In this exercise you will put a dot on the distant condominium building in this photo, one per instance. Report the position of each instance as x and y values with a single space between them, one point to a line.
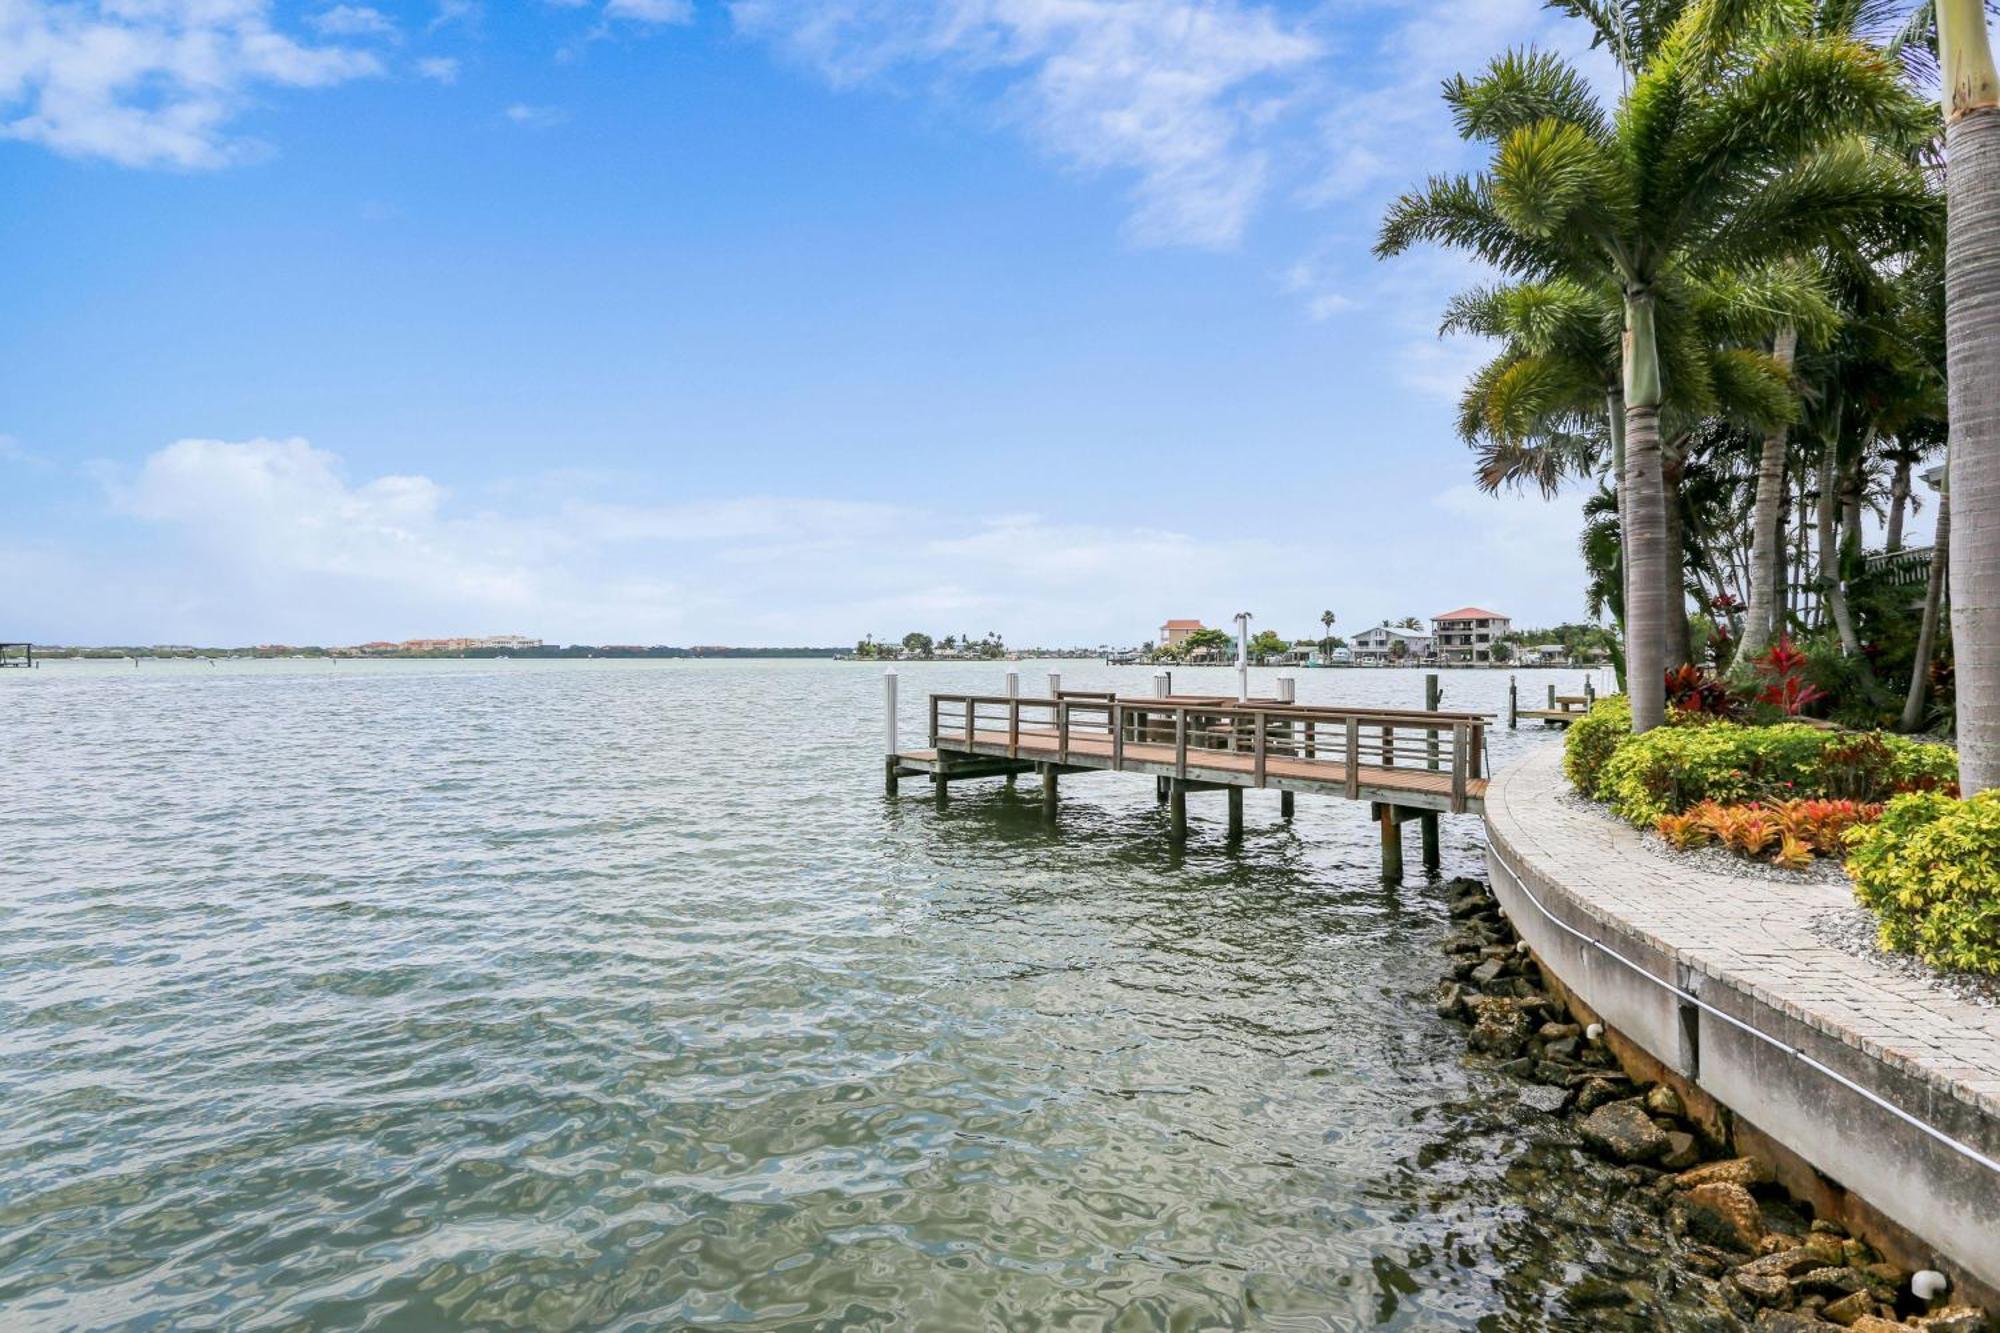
1468 634
1174 631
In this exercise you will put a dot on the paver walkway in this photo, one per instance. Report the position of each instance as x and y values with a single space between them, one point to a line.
1747 932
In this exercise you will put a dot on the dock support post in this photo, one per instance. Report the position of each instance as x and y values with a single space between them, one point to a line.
1049 792
1552 696
1513 703
1163 684
939 790
1288 689
1285 804
1589 692
1429 824
889 727
1177 811
1236 813
1160 786
1055 684
1392 845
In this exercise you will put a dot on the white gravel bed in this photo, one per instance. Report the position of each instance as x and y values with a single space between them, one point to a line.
1852 930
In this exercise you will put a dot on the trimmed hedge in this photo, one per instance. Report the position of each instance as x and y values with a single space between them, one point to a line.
1591 739
1930 870
1697 758
1671 768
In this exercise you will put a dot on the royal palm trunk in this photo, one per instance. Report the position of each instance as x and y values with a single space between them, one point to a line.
1972 341
1767 556
1927 633
1645 519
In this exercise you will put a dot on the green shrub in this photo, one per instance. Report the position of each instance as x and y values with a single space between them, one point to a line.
1591 740
1930 870
1671 768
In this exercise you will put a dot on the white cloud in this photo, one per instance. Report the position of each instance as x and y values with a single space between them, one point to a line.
149 82
352 21
270 540
651 11
438 69
536 117
1176 93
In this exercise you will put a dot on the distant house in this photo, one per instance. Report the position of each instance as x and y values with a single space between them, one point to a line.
1550 654
1468 634
1174 631
1377 645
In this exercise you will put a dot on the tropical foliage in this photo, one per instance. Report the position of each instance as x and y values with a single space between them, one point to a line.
1930 869
1722 309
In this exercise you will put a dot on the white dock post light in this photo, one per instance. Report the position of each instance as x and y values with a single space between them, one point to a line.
1055 684
1243 657
1288 688
1013 683
1163 684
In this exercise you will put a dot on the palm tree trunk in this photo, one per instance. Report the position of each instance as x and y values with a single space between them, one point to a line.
1767 557
1614 412
1920 670
1645 519
1972 342
1829 556
1899 503
1677 642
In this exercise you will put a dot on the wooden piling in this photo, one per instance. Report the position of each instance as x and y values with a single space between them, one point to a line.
890 717
1235 812
1392 846
1429 824
1285 805
940 791
1048 792
1513 703
1160 786
889 769
1177 811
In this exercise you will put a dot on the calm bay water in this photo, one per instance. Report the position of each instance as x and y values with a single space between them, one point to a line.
615 995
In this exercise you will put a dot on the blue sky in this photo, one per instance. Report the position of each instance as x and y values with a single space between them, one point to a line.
766 322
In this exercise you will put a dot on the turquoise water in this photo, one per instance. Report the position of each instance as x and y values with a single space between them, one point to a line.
616 995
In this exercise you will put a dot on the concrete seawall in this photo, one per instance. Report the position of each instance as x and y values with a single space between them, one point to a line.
1718 978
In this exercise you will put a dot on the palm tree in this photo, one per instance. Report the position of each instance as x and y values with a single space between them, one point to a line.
1736 141
1326 644
1972 338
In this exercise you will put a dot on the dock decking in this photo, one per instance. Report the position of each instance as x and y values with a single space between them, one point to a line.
1409 764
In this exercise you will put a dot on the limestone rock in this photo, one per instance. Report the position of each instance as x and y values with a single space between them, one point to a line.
1547 1100
1786 1263
1681 1151
1827 1247
1829 1282
1763 1288
1722 1214
1954 1319
1663 1100
1849 1308
1734 1171
1594 1090
1784 1321
1869 1323
1622 1131
1500 1030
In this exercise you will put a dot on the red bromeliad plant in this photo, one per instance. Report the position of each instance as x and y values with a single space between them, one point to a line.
1781 672
1690 689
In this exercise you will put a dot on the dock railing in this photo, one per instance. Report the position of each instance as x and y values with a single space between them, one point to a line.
1350 748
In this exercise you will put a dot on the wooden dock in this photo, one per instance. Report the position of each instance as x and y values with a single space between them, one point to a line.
1563 709
1408 764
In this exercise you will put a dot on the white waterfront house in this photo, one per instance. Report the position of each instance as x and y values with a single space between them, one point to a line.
1376 645
1468 634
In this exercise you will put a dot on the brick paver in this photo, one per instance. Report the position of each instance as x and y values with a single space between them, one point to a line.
1748 932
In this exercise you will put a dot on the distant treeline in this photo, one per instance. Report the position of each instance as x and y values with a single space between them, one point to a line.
544 650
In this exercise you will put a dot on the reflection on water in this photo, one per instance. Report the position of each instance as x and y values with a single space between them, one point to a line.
596 995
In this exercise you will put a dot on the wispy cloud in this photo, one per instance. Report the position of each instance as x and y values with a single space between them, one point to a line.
1176 94
438 69
651 11
535 117
352 21
150 82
